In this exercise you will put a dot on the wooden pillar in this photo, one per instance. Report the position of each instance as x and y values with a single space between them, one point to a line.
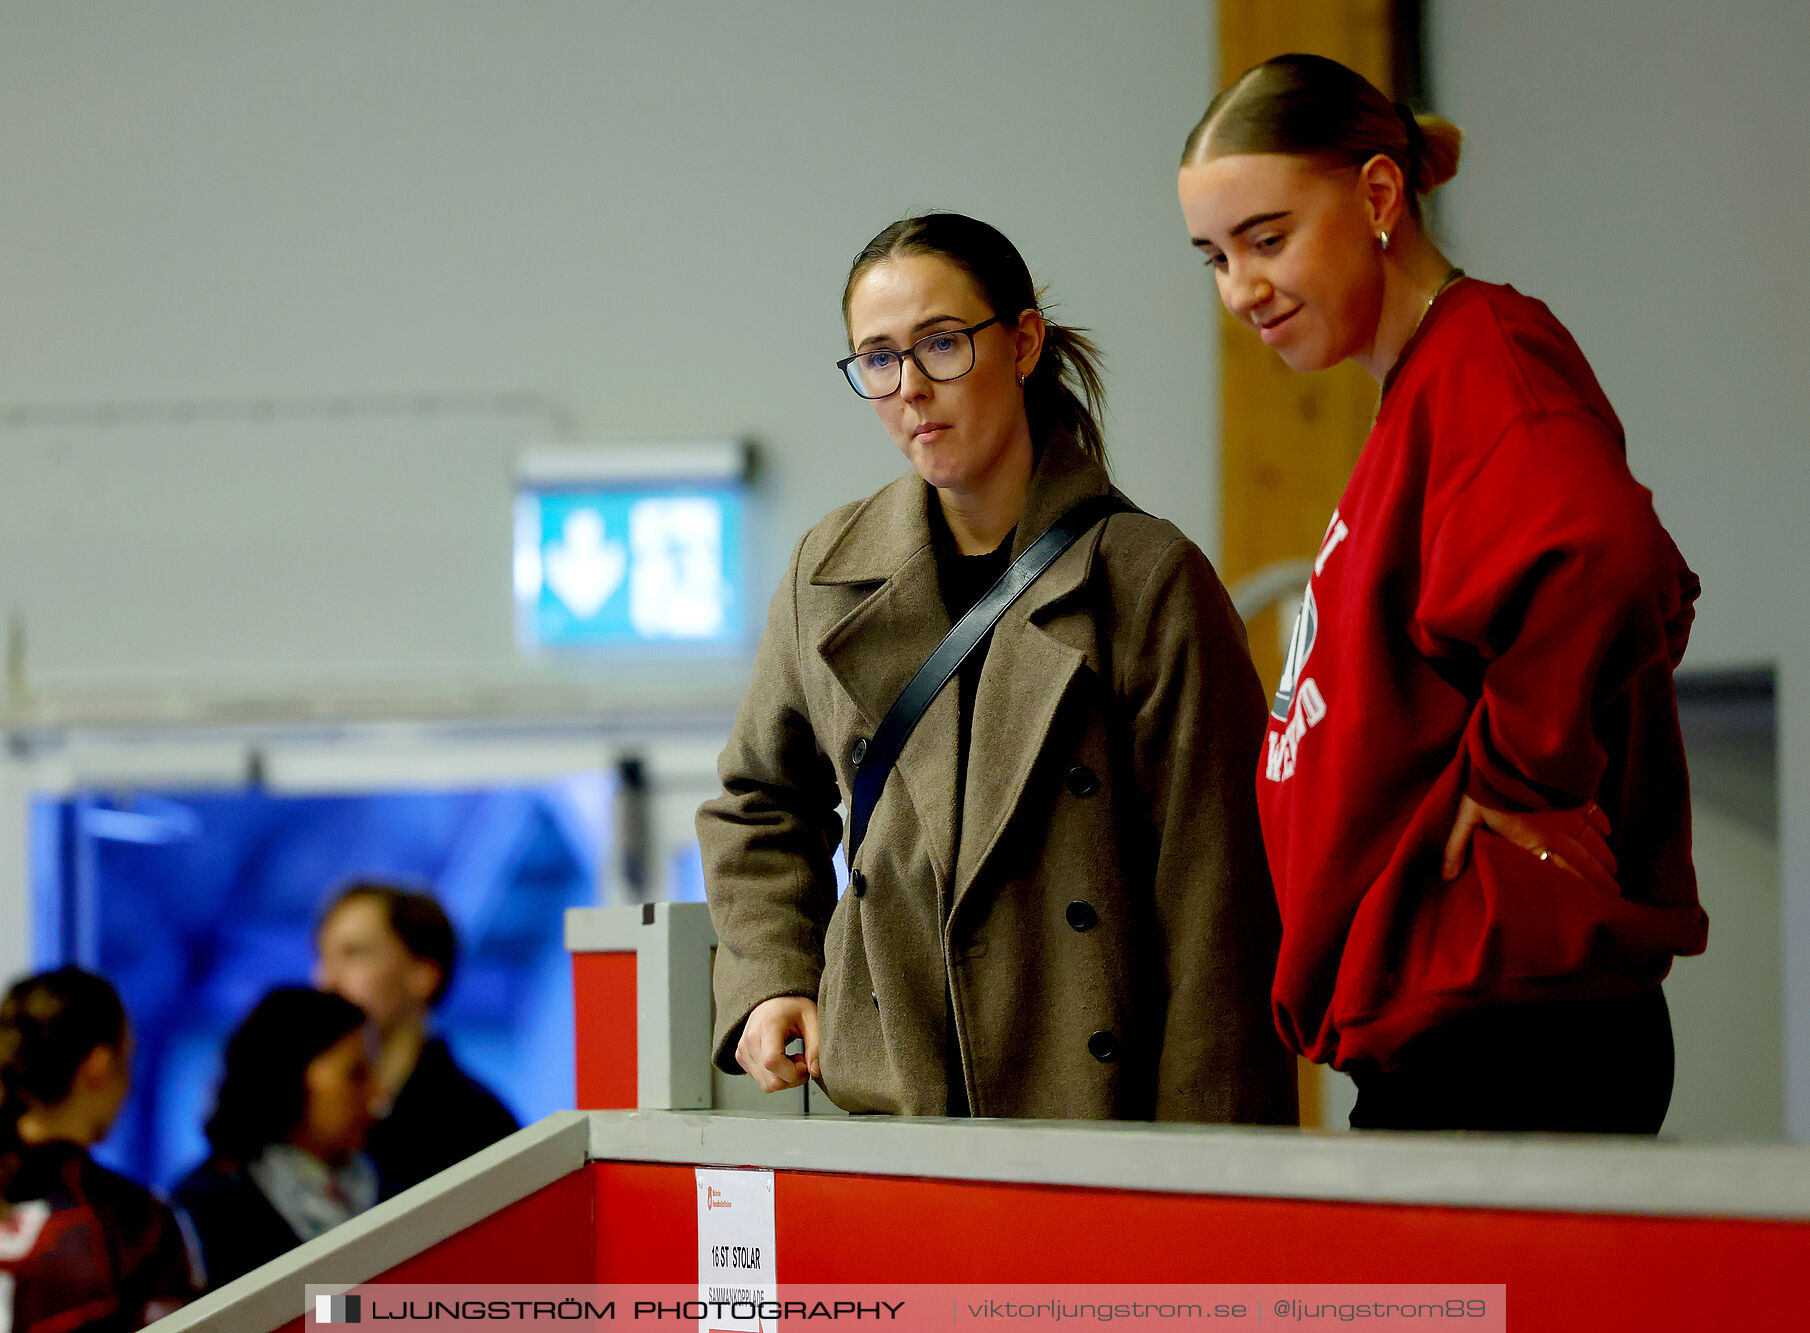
1288 440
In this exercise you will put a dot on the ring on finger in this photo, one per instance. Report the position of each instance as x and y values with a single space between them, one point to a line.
1545 853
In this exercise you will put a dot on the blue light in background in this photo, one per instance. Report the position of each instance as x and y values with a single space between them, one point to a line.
654 569
195 903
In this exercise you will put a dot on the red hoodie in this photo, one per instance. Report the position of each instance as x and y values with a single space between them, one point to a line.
1495 610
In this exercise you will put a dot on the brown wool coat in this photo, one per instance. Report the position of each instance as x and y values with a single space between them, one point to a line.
1110 932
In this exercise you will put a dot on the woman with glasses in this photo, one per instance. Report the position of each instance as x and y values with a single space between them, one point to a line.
1059 906
1473 787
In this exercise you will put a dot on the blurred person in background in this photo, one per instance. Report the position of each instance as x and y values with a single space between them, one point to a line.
391 952
80 1246
286 1136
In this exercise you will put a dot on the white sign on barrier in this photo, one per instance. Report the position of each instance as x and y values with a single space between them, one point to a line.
736 1259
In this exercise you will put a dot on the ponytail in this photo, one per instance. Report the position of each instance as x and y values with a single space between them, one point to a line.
1065 393
12 1108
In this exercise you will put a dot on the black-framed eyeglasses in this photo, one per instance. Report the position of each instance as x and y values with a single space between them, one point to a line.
945 355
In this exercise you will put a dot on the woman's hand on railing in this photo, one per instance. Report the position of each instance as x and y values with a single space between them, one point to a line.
770 1028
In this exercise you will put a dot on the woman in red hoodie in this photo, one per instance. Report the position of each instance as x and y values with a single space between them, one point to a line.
1473 791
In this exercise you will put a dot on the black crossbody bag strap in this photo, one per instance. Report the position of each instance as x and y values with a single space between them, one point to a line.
879 754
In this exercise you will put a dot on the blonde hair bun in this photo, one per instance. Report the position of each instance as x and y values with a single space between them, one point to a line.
1441 144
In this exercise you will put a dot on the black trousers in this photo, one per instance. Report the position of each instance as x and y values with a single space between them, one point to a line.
1579 1066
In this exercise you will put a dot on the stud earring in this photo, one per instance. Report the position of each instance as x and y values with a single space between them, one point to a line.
1383 238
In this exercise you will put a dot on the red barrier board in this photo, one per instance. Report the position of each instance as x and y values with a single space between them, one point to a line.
546 1237
1565 1273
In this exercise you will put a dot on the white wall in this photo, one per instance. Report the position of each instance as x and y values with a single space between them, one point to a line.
641 211
1643 169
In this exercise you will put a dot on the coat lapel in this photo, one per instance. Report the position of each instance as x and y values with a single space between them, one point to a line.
1029 668
875 649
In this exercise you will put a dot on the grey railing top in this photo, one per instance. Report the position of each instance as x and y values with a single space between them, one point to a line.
1582 1174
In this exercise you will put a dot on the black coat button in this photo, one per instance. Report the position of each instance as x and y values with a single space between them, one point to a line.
1082 915
1103 1046
857 883
858 751
1082 780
